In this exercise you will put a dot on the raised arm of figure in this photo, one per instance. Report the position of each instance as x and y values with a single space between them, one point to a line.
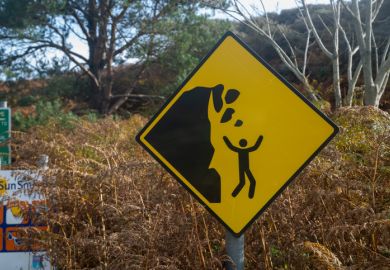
230 145
257 144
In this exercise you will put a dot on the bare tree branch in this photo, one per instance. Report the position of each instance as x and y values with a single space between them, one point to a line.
246 17
314 30
385 51
293 55
384 84
139 96
306 52
110 28
127 93
383 71
128 43
374 85
80 24
325 25
376 10
334 53
28 51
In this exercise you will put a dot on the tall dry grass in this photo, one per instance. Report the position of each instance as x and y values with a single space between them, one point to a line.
110 206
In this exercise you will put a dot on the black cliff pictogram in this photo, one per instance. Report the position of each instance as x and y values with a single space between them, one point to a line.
182 136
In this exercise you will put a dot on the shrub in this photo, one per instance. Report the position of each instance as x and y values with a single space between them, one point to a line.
66 86
26 101
112 207
45 112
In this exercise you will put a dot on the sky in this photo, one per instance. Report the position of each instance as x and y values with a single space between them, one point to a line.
272 5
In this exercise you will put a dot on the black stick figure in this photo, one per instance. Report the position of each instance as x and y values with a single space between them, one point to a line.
243 164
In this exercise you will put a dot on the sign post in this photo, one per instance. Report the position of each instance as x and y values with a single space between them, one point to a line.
235 247
235 135
5 134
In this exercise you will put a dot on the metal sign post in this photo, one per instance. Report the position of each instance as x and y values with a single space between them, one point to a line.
43 162
235 249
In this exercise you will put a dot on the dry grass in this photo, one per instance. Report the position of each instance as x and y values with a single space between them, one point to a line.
112 207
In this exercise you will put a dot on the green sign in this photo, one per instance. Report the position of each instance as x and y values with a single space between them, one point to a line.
5 134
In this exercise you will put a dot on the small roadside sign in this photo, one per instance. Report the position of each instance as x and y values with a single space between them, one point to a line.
235 133
5 135
18 203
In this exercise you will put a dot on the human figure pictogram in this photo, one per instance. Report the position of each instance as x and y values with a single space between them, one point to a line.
243 164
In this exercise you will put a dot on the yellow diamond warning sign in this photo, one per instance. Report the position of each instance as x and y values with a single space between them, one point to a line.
236 133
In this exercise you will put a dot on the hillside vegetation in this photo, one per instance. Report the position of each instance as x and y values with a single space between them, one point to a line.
112 207
186 41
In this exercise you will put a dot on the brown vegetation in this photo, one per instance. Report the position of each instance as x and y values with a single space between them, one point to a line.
112 207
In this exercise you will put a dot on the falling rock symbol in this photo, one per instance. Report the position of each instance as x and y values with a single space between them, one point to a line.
238 123
227 115
231 96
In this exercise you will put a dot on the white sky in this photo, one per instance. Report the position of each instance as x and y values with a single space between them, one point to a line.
277 5
271 5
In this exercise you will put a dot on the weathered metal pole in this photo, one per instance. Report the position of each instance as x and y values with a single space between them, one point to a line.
235 247
43 162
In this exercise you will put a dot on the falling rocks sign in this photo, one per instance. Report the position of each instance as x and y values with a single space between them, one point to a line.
235 134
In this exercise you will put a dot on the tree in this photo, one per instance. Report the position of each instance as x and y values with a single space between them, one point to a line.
333 53
376 68
190 39
358 48
112 30
259 21
353 70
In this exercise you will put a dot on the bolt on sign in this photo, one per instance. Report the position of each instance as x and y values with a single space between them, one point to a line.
5 134
235 133
18 204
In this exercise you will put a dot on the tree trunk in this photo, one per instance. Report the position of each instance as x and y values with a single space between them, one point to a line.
309 90
107 87
371 95
336 81
364 38
370 90
352 80
106 100
349 97
351 76
332 54
100 85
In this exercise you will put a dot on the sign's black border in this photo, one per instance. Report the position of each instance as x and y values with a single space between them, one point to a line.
288 182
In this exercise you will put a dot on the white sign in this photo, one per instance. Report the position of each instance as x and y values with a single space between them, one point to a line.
15 197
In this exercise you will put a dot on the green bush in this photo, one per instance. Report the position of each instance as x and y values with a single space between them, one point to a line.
26 101
45 112
66 86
